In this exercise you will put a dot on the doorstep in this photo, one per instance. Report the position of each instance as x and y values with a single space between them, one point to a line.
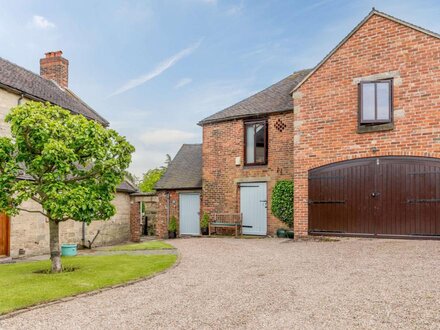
6 260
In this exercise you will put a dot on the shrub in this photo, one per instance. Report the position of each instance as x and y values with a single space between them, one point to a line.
172 226
282 201
205 221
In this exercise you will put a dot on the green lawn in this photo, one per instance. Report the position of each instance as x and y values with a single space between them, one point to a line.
150 245
21 287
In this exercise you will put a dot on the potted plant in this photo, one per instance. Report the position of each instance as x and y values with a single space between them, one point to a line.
172 227
204 224
282 206
281 233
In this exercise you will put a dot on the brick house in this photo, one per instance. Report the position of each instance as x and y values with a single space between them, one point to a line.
246 149
360 140
367 152
28 233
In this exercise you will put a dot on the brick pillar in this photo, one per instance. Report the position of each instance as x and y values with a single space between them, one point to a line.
135 221
162 210
301 206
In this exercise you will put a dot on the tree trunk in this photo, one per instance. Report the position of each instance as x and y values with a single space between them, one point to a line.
55 255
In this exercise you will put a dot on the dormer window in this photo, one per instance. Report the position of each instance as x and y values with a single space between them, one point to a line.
375 102
255 142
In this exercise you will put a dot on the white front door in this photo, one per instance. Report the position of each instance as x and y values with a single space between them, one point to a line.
253 206
189 213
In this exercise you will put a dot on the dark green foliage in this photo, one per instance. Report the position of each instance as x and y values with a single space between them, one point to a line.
205 221
282 201
74 164
172 226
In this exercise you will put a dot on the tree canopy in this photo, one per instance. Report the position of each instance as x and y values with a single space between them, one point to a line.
68 164
150 178
72 165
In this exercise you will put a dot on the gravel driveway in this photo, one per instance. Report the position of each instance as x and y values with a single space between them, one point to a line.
268 283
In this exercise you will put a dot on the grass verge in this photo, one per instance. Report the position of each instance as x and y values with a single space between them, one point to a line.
26 284
150 245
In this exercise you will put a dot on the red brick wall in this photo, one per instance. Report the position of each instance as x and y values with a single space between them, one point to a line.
162 223
326 107
135 221
55 67
222 142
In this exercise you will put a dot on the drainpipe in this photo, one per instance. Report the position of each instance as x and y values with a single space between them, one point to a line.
20 99
141 220
168 209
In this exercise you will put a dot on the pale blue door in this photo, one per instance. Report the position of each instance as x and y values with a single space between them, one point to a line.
253 205
189 213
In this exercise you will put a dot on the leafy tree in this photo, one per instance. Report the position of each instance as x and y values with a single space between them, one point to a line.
72 167
168 160
151 177
282 201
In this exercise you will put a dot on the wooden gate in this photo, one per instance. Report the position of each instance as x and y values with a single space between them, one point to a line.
4 235
390 196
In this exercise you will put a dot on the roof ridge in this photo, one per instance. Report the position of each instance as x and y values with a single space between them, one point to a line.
35 87
33 73
290 76
406 23
355 29
86 105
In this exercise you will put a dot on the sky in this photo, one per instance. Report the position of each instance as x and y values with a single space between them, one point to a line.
155 68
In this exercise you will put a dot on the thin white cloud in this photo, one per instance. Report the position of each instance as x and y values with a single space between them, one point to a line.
42 22
235 9
183 82
158 70
166 136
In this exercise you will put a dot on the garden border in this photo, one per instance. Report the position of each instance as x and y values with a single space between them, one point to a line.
90 293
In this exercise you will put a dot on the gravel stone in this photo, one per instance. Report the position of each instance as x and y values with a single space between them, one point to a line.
224 283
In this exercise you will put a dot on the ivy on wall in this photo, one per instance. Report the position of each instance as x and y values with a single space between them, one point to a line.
282 201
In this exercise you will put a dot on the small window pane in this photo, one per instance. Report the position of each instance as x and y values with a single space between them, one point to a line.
368 102
250 134
383 101
259 143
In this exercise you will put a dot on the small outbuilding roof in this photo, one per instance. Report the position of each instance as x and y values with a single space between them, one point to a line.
275 98
128 187
35 87
184 171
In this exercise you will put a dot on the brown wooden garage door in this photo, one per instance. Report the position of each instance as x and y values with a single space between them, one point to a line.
377 196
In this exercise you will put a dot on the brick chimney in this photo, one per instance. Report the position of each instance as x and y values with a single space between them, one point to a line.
55 67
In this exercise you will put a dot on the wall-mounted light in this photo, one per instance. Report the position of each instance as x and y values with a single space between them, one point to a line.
374 149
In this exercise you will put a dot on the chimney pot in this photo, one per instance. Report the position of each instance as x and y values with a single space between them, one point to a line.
55 67
57 53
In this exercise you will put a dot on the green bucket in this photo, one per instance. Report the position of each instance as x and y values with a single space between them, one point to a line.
68 250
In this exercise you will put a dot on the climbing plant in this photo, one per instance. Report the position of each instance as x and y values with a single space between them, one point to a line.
282 201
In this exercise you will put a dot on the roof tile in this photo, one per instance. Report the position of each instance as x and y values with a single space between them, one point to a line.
42 89
275 98
184 171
